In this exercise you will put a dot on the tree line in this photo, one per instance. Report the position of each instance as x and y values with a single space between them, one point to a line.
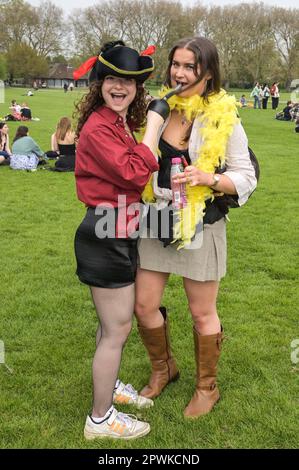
255 41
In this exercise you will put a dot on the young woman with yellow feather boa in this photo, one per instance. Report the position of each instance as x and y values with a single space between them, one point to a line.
204 128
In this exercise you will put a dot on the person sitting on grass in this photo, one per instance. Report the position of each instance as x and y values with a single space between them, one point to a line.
4 144
294 112
63 145
15 107
25 112
63 139
26 154
243 101
15 114
285 115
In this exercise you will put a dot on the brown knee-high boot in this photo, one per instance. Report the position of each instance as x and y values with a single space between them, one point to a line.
207 352
164 368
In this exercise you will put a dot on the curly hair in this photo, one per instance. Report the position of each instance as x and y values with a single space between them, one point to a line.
94 99
2 124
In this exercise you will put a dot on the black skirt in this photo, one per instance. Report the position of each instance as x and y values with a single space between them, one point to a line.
104 262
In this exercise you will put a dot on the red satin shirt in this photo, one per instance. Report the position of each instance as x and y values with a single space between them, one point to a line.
109 162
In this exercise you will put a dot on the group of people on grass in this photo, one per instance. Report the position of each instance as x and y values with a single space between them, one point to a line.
262 93
19 112
290 113
26 154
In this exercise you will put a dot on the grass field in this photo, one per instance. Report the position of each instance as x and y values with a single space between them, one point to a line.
48 323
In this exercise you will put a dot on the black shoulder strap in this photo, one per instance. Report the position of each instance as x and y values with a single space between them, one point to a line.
255 163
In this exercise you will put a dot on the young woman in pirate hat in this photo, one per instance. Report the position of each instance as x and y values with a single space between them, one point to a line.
111 172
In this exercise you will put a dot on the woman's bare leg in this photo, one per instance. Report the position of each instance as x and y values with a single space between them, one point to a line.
202 297
150 286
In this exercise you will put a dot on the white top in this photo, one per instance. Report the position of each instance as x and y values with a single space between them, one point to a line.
239 168
17 108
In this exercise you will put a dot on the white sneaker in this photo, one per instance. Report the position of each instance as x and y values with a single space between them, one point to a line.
116 426
127 395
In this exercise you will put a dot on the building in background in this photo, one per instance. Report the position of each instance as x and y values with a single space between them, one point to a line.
59 75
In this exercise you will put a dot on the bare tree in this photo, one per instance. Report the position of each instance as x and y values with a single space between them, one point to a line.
153 22
138 23
243 38
285 30
92 27
255 42
258 41
16 18
199 21
41 28
221 25
47 35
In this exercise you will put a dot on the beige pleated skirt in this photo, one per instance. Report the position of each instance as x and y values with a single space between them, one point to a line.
207 263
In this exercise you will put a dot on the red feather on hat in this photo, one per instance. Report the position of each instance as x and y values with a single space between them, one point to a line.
84 68
150 50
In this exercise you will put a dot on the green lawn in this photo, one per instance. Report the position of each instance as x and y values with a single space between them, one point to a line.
48 323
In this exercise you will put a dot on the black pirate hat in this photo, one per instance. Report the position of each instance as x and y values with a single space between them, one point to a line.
120 61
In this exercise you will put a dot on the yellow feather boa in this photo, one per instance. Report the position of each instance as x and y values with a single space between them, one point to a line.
218 116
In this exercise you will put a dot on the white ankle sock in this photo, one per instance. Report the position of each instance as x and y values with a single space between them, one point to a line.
100 419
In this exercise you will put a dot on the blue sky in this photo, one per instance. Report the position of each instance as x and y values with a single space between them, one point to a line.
69 5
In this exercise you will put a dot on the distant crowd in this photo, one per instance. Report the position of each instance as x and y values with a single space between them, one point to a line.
261 95
26 154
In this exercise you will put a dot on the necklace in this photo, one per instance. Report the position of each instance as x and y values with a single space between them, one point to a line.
184 120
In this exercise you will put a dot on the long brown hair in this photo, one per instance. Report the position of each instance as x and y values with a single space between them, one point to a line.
94 99
206 56
22 131
63 127
2 124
